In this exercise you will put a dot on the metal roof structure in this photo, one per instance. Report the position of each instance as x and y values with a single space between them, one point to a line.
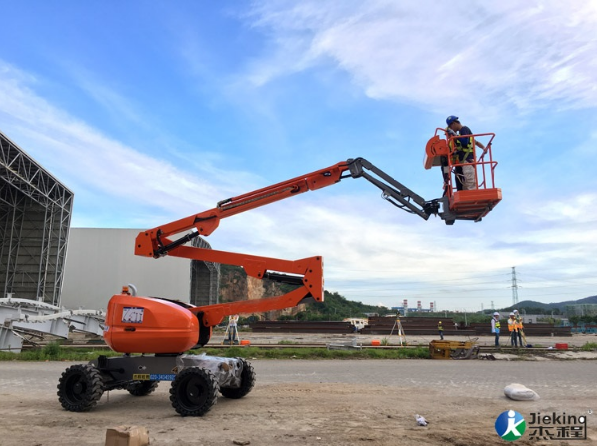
35 214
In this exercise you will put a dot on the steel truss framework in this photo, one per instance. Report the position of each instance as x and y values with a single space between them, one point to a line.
35 213
205 278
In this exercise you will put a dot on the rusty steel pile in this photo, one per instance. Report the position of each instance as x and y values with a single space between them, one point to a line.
413 326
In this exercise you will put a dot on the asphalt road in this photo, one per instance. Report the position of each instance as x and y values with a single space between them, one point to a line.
551 378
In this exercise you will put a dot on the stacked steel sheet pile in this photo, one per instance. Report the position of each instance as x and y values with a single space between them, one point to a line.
413 326
301 327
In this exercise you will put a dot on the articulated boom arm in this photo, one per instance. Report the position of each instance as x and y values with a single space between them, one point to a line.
155 242
306 273
394 191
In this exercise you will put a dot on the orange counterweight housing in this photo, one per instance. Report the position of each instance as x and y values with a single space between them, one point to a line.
149 325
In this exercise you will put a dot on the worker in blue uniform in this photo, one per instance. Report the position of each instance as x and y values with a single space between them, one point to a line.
463 153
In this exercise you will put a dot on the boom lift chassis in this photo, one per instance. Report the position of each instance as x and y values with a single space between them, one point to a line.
161 330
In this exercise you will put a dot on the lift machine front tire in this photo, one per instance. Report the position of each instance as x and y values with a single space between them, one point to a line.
194 391
80 388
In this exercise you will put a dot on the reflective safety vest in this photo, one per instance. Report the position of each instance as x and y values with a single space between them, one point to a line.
497 324
519 322
460 153
440 327
512 325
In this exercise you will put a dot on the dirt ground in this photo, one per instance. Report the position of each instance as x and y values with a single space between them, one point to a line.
280 414
328 402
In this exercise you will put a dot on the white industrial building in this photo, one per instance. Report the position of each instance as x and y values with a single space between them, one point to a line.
100 262
55 279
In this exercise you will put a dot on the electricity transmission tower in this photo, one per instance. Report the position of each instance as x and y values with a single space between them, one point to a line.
514 287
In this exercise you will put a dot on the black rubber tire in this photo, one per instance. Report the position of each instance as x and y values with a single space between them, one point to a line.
194 392
141 388
247 381
80 388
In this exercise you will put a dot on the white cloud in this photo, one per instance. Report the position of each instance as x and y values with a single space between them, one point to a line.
116 104
588 148
576 209
434 54
370 249
72 149
374 252
507 55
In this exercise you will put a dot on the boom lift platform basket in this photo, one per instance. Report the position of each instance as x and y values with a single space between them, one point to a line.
471 204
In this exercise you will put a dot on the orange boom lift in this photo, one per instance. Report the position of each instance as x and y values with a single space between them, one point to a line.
161 330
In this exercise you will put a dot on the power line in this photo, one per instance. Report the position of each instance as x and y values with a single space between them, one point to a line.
472 287
450 288
396 270
467 282
459 297
521 274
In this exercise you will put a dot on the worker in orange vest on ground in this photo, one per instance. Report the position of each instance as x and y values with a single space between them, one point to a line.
440 328
519 326
513 329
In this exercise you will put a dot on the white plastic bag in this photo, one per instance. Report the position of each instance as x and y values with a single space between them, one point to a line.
519 392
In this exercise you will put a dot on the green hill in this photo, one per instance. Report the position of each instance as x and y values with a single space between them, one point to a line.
335 308
534 307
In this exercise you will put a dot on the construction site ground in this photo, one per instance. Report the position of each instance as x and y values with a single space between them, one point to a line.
576 340
321 402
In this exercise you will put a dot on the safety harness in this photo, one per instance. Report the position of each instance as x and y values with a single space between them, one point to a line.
460 154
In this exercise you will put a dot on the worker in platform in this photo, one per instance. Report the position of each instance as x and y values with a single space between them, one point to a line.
519 326
513 329
440 328
495 327
463 153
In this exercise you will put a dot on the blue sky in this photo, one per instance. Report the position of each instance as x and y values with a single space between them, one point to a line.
152 111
